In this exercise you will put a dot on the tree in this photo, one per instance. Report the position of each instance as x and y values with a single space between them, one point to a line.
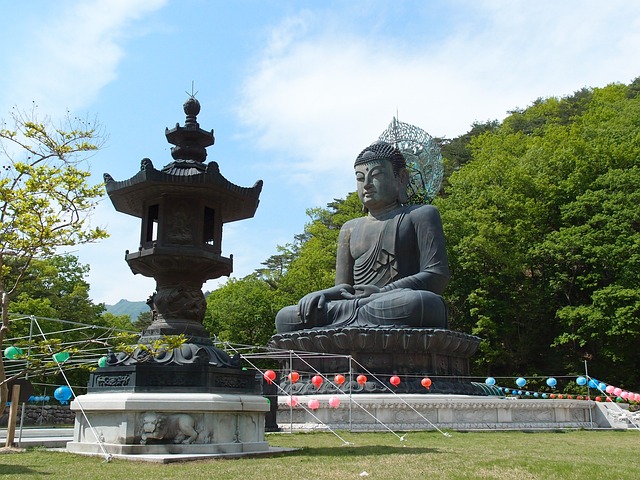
541 227
45 197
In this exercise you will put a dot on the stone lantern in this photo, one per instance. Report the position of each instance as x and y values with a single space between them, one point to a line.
194 398
183 207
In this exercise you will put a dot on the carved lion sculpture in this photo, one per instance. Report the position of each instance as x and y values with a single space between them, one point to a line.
175 428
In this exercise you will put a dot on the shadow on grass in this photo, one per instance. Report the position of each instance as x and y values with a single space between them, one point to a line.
19 470
362 451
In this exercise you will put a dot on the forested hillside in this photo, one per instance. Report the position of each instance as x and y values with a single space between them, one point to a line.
542 218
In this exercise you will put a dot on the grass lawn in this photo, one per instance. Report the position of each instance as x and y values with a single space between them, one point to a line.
510 455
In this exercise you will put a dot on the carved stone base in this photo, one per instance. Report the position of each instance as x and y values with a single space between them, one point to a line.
194 378
169 423
408 352
425 412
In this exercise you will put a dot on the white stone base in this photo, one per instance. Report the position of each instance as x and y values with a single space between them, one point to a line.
373 412
169 423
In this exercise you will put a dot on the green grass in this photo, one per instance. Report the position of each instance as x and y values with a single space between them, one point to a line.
477 455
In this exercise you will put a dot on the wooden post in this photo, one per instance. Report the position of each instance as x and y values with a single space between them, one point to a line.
13 415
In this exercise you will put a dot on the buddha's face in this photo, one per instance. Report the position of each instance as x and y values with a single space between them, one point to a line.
378 186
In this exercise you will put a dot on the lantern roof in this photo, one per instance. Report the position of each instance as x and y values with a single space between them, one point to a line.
187 175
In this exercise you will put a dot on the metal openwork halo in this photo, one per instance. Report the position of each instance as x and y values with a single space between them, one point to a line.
423 157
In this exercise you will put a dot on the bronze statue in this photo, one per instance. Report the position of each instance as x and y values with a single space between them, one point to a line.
391 266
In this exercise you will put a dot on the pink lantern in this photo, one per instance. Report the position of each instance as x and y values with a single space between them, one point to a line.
269 376
636 397
334 402
624 394
314 403
609 389
395 380
292 401
317 381
617 391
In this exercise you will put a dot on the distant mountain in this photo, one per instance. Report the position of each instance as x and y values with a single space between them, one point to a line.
125 307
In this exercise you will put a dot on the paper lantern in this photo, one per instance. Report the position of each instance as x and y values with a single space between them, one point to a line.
61 357
553 395
602 386
426 382
583 381
609 389
62 394
102 362
362 379
552 382
339 379
292 401
294 377
12 352
624 395
316 380
334 402
598 399
314 403
269 376
617 391
490 381
394 380
521 382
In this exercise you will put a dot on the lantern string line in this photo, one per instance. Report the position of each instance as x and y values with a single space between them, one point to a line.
621 412
107 456
401 438
344 442
446 434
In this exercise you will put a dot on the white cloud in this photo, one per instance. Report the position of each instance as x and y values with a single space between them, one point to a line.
63 61
319 93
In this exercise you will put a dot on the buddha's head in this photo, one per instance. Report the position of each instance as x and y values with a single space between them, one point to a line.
381 176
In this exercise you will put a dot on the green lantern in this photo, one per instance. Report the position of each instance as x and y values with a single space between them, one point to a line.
102 362
12 352
61 357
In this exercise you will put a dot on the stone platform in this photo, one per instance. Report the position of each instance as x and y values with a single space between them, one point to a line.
133 423
376 412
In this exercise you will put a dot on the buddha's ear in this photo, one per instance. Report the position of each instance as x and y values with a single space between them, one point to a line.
403 179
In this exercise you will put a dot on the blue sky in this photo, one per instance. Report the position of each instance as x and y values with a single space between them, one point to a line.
293 89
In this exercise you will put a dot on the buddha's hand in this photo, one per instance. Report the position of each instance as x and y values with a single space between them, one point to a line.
313 303
361 291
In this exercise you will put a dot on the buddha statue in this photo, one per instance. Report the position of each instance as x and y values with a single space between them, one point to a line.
391 266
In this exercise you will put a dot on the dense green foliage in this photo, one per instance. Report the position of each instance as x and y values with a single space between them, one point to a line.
542 230
541 215
45 197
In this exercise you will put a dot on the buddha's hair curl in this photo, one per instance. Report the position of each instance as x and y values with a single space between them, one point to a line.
382 151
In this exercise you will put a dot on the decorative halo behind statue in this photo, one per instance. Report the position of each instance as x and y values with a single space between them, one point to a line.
423 157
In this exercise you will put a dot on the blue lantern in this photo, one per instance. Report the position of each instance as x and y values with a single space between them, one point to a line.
544 395
583 381
535 394
602 386
552 382
592 383
62 394
521 382
490 381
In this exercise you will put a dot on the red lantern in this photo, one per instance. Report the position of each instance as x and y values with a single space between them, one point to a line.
395 380
426 382
339 379
560 396
294 377
317 381
598 399
362 379
269 376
